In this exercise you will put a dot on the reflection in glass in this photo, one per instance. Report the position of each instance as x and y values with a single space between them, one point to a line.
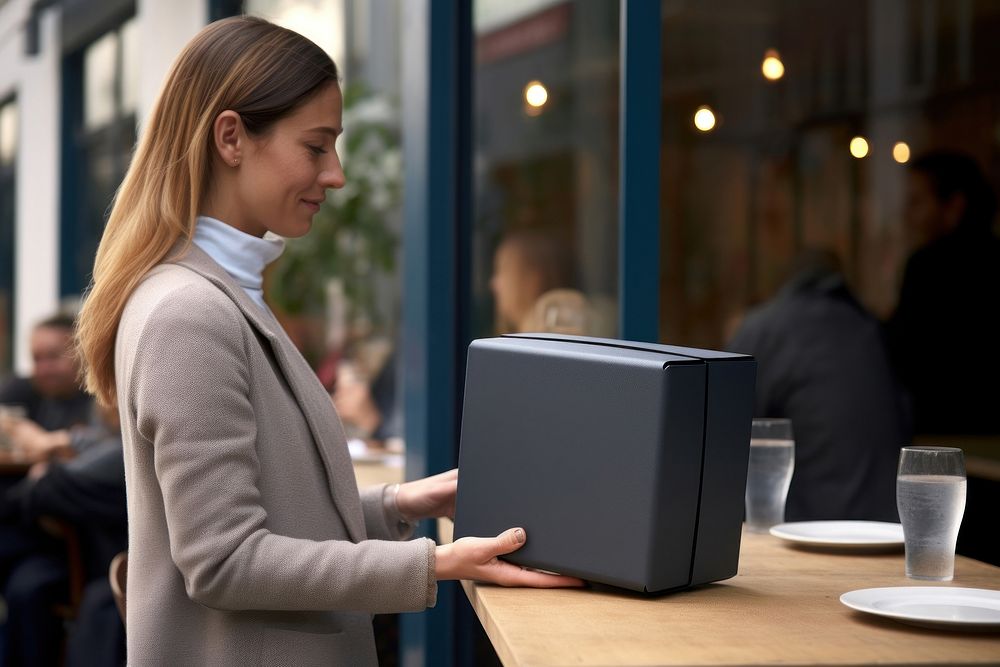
704 119
859 147
825 157
102 148
545 167
772 67
901 152
322 21
336 291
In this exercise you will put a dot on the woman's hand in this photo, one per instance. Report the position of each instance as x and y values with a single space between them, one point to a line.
475 558
429 497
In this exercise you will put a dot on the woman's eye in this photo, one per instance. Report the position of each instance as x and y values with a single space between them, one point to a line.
317 150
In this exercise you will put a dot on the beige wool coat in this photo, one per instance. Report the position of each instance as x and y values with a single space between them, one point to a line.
249 543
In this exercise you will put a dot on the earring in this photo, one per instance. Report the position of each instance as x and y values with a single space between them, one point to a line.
236 162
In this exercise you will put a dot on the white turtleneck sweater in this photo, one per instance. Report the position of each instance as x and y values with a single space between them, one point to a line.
242 255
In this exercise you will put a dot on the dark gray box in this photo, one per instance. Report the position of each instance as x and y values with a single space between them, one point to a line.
625 462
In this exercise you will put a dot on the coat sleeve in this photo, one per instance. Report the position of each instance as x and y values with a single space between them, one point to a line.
380 522
190 390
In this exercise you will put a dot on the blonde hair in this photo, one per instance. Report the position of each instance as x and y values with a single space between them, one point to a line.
245 64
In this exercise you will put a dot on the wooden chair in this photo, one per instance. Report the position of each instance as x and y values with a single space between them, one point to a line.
66 532
118 574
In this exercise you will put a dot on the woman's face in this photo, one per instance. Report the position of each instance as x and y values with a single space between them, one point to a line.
283 175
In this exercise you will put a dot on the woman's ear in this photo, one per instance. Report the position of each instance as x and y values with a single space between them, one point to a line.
228 136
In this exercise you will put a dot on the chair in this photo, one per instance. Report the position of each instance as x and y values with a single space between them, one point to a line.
118 574
67 533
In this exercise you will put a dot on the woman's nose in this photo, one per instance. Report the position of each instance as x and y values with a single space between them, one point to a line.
333 177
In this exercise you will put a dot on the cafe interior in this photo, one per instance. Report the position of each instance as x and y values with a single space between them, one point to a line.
728 271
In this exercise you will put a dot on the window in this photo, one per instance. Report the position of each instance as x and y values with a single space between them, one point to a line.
545 207
794 127
100 88
810 112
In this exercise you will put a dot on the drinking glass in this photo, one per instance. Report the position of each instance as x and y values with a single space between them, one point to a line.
772 460
930 497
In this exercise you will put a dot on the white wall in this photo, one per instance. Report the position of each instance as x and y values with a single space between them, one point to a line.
35 82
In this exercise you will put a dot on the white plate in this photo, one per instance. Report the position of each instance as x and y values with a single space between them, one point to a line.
931 606
842 534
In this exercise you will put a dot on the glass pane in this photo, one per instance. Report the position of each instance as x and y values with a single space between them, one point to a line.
99 63
322 21
860 136
337 289
130 67
545 167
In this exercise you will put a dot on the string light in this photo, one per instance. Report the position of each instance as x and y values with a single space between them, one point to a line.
535 97
859 147
704 118
772 67
901 152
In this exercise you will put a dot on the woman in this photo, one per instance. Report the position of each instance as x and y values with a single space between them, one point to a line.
248 540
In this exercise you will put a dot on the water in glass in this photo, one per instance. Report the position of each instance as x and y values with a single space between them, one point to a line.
768 476
930 509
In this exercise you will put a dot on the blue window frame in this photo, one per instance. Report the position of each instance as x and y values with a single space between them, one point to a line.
437 58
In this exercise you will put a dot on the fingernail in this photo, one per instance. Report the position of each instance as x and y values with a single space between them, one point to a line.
519 535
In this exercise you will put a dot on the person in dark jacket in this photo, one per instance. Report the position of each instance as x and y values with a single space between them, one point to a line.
822 363
943 333
87 493
52 397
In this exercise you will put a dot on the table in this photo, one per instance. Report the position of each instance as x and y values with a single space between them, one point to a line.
782 608
367 473
12 465
377 472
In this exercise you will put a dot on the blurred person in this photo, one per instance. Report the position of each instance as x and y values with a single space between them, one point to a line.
948 298
372 407
249 542
527 264
52 396
87 494
561 311
822 362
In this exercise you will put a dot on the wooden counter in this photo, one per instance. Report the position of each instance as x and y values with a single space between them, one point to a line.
782 608
370 473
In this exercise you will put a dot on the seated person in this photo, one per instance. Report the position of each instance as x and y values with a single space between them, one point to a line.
52 397
372 409
88 494
948 298
561 311
527 264
822 362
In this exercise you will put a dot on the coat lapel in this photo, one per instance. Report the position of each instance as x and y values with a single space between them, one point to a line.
313 400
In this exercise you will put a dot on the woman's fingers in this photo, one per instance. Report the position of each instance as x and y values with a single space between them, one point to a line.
476 558
509 540
509 574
